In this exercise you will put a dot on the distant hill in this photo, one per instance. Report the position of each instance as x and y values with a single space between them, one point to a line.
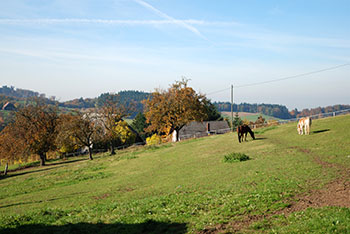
19 97
17 93
127 97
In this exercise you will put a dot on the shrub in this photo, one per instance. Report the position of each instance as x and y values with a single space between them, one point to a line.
154 140
235 157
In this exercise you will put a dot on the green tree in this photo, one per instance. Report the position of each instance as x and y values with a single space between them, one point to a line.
212 111
237 121
139 124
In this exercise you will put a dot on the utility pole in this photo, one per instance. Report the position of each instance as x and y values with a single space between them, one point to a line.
232 107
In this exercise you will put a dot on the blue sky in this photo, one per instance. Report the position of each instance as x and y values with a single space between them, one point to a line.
83 48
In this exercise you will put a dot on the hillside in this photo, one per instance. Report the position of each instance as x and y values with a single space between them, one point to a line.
186 187
132 97
17 92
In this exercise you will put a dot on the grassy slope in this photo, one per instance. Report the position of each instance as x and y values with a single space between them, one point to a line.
181 187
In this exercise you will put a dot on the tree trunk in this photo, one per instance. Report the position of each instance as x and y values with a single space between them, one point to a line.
90 153
177 133
112 148
42 159
6 169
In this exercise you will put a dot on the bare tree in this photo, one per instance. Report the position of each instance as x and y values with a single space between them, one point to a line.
111 113
79 130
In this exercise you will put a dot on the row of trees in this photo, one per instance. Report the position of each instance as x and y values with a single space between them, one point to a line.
319 110
278 111
275 110
39 128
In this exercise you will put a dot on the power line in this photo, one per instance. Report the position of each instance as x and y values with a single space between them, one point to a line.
283 78
295 76
219 91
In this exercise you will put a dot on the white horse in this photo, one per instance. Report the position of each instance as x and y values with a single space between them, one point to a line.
304 125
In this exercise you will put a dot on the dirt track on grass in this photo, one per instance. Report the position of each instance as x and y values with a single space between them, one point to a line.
335 193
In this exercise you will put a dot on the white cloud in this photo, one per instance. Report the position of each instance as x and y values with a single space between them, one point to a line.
118 22
178 22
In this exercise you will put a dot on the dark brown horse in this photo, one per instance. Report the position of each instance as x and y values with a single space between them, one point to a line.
242 131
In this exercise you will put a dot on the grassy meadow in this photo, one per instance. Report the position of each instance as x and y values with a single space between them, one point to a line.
185 187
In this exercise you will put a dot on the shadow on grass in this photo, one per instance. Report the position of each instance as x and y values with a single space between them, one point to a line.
67 162
25 170
260 138
149 226
320 131
26 203
40 201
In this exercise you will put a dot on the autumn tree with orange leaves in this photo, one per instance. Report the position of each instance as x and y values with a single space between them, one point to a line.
33 131
171 109
9 153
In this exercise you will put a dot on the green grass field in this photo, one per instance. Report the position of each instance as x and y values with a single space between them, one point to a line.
187 187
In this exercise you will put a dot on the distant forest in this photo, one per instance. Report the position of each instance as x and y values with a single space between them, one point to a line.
278 111
127 98
274 110
20 96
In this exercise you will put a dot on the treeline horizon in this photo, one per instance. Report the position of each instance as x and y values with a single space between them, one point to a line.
19 96
277 110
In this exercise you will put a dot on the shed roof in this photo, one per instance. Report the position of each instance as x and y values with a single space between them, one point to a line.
9 106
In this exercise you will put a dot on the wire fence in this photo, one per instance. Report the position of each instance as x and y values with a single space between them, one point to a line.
203 134
94 151
284 121
318 116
